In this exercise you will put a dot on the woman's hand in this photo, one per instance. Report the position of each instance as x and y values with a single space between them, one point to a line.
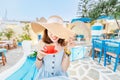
41 53
67 51
70 43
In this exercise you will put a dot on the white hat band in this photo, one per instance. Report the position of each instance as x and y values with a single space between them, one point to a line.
55 20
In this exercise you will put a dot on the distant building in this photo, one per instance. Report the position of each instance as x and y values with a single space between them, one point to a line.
66 21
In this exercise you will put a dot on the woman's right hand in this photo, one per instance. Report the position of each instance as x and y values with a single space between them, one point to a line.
41 54
41 49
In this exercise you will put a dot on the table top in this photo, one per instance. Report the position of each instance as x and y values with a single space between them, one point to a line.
6 41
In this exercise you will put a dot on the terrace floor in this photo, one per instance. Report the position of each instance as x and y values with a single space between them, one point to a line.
13 56
87 69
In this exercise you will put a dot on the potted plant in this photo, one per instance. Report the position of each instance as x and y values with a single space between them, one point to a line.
19 41
33 55
24 36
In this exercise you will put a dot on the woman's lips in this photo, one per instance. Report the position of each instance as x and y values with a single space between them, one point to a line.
54 38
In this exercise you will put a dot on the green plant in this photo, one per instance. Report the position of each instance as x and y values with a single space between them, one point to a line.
1 35
26 29
25 35
18 39
34 54
8 32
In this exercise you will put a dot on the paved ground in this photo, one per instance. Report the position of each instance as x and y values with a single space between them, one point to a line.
82 69
87 69
13 56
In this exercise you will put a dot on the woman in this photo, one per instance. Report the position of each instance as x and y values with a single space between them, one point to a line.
53 66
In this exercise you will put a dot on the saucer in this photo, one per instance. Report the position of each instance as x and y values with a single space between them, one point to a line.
50 53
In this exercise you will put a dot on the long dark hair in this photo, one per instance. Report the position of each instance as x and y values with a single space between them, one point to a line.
47 40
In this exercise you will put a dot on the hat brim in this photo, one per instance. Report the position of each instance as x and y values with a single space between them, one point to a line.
37 28
55 28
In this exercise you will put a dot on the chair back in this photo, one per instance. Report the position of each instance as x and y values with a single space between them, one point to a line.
112 47
97 43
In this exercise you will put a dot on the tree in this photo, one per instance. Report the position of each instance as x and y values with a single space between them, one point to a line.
97 10
83 7
115 11
108 8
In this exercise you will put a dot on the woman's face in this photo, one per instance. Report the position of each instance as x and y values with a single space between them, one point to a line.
53 37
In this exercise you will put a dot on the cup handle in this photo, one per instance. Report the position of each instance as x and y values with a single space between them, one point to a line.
45 48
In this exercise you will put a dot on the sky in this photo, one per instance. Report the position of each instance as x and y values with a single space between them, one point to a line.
31 9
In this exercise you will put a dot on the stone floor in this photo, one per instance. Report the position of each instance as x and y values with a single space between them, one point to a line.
82 69
87 69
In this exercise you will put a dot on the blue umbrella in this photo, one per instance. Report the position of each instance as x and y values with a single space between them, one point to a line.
84 19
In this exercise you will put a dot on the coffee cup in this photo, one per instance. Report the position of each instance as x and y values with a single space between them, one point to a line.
49 48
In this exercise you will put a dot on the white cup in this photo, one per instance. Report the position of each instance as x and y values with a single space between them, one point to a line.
78 39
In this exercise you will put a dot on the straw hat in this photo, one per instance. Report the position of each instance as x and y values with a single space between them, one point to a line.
81 28
42 20
55 25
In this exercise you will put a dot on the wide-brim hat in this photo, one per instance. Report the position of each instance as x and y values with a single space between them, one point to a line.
55 26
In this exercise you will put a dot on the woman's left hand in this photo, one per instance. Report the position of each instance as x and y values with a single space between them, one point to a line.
71 43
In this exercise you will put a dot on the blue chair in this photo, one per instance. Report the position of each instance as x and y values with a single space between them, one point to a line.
97 49
112 50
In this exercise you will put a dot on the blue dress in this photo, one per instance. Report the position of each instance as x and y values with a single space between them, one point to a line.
51 68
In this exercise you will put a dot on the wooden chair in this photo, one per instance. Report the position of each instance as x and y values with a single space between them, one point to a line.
112 50
13 44
3 56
